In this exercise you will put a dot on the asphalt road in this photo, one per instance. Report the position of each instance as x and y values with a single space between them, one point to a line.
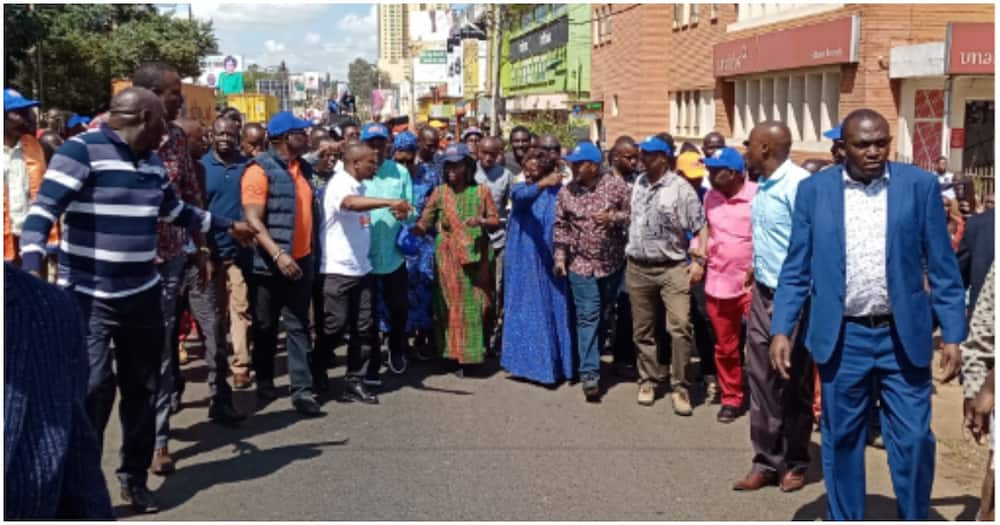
485 448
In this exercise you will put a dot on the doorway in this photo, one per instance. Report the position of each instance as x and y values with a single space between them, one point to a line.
978 149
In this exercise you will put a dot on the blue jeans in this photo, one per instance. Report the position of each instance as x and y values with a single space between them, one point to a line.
593 300
870 356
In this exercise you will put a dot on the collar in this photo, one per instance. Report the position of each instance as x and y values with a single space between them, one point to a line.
664 180
745 194
849 181
212 158
779 173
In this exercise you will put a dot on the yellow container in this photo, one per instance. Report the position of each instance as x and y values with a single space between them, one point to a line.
255 107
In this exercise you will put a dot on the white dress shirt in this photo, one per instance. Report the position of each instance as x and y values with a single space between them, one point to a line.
15 177
865 228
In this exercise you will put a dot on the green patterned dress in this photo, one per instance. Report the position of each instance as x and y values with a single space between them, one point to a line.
463 294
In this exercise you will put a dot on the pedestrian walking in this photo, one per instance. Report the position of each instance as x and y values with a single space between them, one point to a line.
520 141
279 201
391 181
462 212
537 342
592 214
498 180
253 140
979 385
121 300
780 408
729 257
624 163
224 167
868 232
664 208
348 285
426 176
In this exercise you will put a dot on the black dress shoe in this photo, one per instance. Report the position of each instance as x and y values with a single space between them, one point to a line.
356 391
307 407
727 414
267 391
225 414
140 499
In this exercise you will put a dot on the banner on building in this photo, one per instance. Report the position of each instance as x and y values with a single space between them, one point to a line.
545 38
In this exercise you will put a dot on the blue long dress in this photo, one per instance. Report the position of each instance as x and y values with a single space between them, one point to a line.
420 267
537 343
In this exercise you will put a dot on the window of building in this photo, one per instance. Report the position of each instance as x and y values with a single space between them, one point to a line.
541 12
693 14
752 15
558 9
692 113
614 105
685 15
807 101
602 24
713 12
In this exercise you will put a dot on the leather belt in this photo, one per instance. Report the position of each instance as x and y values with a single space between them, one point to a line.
651 263
871 321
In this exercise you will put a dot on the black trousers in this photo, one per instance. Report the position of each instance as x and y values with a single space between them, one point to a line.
704 334
347 307
135 324
393 289
780 411
274 297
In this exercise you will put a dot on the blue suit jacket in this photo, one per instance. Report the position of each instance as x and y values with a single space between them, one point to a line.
917 238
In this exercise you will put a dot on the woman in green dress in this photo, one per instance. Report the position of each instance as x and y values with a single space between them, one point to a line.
460 211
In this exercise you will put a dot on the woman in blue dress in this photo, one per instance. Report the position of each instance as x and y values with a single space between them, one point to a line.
537 343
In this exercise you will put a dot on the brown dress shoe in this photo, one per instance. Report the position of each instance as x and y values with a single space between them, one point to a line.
241 380
793 480
163 464
756 480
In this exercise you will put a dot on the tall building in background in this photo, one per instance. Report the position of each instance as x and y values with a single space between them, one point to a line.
394 37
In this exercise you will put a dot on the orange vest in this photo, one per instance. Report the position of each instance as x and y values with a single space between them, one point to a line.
34 161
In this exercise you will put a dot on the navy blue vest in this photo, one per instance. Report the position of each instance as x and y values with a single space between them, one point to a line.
280 219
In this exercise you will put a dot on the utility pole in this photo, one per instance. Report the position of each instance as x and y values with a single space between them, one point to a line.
495 95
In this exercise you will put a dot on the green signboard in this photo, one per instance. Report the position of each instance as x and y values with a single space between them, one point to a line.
434 56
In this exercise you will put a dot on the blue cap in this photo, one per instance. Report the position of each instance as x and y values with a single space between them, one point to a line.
832 134
728 158
283 122
12 100
654 144
457 152
374 130
405 141
77 120
585 151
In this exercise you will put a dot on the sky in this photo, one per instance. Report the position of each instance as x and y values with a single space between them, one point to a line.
308 37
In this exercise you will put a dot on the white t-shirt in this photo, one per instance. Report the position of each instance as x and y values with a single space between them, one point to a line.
346 234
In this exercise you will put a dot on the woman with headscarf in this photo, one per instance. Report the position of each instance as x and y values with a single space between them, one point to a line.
460 211
418 250
537 344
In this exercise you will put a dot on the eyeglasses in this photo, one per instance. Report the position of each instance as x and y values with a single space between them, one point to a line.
552 148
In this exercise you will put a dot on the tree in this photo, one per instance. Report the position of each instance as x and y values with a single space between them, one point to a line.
363 77
22 29
85 46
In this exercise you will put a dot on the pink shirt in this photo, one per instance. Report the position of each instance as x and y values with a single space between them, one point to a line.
730 241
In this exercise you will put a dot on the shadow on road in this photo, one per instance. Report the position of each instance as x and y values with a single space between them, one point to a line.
248 462
882 508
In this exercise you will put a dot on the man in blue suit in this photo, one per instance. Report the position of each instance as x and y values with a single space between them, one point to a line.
864 234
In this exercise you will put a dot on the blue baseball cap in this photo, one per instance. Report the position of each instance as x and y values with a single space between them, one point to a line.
728 158
283 122
585 151
12 100
654 144
457 152
832 134
374 130
405 141
77 120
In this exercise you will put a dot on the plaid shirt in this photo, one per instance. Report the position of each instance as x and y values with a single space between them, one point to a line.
181 173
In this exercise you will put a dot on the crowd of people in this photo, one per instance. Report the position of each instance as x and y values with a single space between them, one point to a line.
809 294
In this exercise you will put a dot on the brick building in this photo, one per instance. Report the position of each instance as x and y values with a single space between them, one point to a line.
694 68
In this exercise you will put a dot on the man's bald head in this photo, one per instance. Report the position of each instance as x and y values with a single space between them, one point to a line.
360 160
768 147
712 142
863 117
137 115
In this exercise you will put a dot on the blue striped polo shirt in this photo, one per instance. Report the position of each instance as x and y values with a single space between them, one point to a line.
109 202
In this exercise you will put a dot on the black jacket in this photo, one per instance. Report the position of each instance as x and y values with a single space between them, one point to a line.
975 253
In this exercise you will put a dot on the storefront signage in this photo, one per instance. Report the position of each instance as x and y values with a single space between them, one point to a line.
581 108
970 48
834 42
545 38
434 56
958 138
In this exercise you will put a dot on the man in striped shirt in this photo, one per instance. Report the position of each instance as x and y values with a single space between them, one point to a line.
110 190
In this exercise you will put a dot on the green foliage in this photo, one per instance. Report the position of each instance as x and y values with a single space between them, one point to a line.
568 132
86 46
22 28
362 78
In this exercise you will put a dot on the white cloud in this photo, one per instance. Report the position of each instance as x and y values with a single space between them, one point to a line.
312 38
274 47
358 24
260 16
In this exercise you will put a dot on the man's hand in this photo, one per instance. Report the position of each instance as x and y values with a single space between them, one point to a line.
781 355
550 181
977 416
401 209
288 267
748 280
205 269
244 233
951 358
473 222
695 272
559 269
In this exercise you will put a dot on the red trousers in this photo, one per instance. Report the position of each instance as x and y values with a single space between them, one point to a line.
727 316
